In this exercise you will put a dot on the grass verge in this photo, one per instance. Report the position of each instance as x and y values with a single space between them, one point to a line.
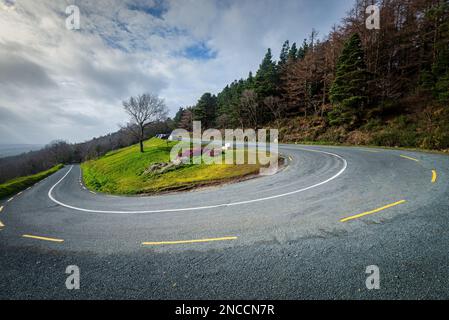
121 171
18 184
336 144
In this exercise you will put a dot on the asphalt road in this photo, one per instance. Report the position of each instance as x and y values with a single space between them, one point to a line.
274 237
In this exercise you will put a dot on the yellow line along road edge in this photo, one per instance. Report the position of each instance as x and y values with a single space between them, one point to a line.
1 224
42 238
372 211
434 176
188 241
409 158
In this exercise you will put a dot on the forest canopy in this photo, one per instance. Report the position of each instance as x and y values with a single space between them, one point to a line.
349 78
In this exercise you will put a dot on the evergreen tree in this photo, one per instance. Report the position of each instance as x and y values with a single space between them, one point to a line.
178 116
205 110
250 81
285 53
348 91
266 80
293 53
300 55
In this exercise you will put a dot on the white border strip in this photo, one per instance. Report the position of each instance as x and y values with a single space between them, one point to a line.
345 165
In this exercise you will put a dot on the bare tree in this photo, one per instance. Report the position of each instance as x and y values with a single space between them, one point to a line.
275 107
144 110
186 119
248 101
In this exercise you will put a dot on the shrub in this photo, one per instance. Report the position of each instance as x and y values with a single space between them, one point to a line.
393 137
334 135
18 184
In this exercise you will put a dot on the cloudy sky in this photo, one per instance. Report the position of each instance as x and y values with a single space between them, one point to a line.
57 83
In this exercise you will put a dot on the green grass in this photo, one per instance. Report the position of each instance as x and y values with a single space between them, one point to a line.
18 184
120 172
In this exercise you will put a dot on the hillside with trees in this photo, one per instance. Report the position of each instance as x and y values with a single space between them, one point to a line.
384 87
61 151
387 86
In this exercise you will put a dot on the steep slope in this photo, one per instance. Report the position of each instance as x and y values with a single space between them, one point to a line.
123 171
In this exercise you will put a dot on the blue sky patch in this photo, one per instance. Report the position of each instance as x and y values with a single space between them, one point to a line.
199 51
157 10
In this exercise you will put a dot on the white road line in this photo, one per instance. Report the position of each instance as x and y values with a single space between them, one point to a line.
345 165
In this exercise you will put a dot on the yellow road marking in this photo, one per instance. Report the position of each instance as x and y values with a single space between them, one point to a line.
187 241
1 225
92 192
434 176
10 199
42 238
1 208
409 158
373 211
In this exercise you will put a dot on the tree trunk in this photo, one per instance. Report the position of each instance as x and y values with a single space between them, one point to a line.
141 145
141 138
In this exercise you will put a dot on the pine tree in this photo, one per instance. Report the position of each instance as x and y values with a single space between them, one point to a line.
293 53
301 54
250 81
205 110
348 91
178 116
266 80
285 53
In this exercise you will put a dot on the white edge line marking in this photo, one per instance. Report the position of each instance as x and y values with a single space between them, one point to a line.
205 207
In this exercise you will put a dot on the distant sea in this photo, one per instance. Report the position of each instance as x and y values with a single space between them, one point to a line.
7 150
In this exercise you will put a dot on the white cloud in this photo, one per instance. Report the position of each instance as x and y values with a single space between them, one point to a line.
62 84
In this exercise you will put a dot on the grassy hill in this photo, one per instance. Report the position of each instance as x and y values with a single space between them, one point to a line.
122 171
18 184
